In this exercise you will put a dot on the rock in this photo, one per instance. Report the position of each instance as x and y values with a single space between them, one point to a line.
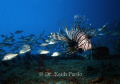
100 53
96 80
89 68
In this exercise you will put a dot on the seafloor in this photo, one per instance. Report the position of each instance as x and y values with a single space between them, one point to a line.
61 72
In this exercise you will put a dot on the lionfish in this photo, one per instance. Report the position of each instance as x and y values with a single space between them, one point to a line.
78 39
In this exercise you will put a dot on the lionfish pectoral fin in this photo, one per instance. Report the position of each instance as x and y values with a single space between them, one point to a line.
62 32
66 30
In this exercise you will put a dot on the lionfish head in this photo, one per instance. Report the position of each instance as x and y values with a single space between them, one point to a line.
78 38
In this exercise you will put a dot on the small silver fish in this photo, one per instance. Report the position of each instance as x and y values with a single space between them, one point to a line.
53 42
43 51
9 56
43 44
102 28
26 46
24 50
56 54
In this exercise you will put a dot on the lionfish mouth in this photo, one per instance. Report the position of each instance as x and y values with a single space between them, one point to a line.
78 38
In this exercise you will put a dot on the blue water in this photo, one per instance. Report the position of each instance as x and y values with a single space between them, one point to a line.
34 16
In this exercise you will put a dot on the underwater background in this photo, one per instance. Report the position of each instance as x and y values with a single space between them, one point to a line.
59 42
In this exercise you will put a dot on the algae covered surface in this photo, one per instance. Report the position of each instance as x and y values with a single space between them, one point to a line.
62 72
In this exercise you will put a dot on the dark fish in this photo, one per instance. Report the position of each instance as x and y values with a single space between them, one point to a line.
6 44
8 40
1 50
27 40
12 34
15 48
2 35
22 37
38 38
42 33
18 32
32 35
